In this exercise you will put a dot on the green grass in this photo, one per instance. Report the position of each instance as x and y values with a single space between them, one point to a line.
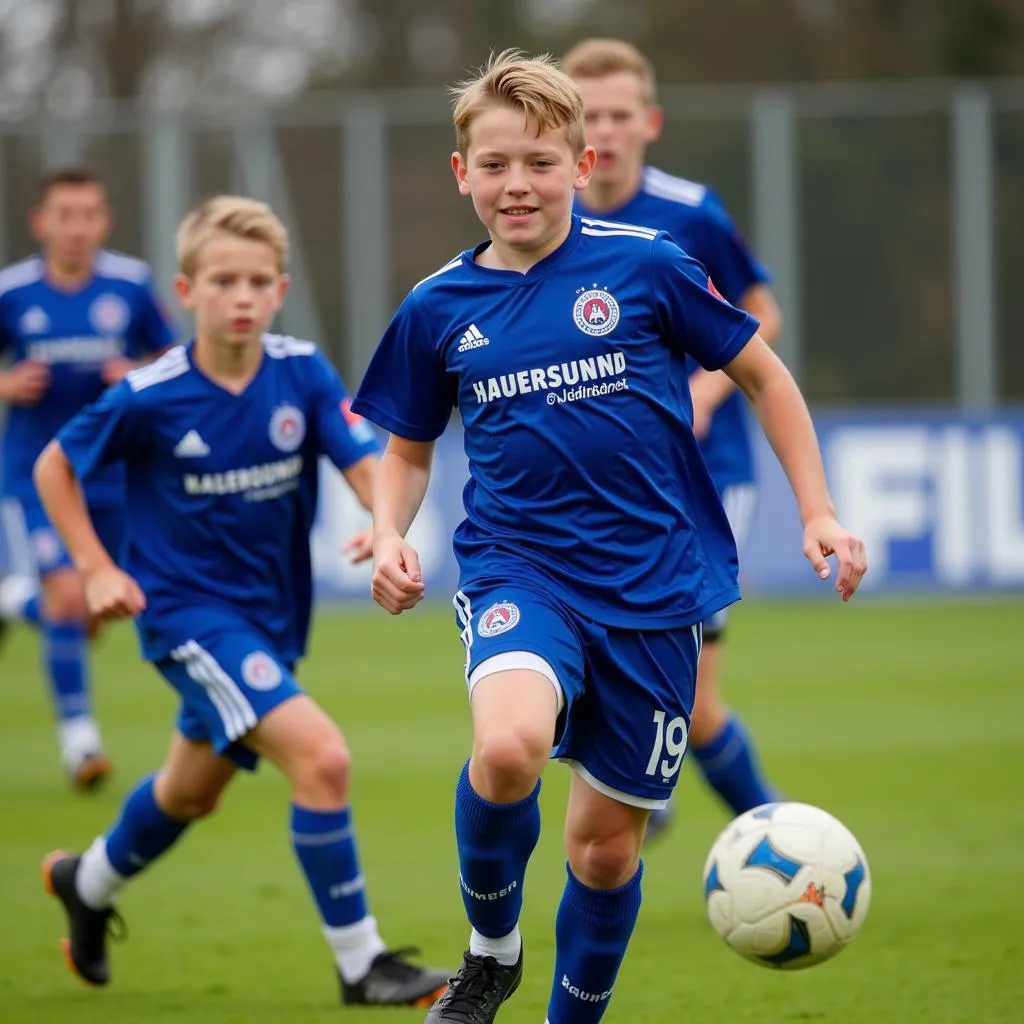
907 722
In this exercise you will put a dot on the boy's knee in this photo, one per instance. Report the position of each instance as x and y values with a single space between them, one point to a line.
63 598
509 759
323 776
604 861
185 805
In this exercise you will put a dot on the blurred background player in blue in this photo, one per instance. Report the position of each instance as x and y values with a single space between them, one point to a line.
74 319
562 341
221 441
618 87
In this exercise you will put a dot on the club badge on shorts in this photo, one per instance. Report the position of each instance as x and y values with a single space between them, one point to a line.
260 671
498 619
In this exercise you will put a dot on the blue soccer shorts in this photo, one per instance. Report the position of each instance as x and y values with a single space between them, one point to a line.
35 547
625 695
739 502
227 682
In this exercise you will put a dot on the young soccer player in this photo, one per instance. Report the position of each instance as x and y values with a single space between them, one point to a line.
621 116
73 319
220 440
594 542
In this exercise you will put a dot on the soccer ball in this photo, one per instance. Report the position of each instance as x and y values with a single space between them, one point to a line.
786 885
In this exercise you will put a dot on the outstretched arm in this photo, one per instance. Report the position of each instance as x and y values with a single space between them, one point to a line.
109 592
401 483
710 388
787 424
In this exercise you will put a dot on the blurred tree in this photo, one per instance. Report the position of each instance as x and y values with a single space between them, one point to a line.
69 52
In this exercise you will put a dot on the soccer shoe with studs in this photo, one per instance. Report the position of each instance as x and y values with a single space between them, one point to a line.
85 947
393 981
476 993
91 771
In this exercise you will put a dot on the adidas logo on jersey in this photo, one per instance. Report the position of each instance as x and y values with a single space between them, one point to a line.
472 339
191 446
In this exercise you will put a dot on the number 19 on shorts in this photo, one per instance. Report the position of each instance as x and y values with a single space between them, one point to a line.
670 740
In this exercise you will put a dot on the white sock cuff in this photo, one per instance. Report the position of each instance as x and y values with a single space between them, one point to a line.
97 882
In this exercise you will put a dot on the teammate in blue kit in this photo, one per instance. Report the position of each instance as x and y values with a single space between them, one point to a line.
220 440
621 116
594 542
73 319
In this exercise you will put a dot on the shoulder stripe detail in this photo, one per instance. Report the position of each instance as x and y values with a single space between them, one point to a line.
17 275
618 226
450 265
122 267
172 364
621 233
281 346
666 186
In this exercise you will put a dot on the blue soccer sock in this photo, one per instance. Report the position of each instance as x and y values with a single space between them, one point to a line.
30 612
142 832
65 654
495 842
592 930
730 765
325 845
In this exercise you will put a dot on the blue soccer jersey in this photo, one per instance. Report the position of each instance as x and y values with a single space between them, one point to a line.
116 314
698 222
571 382
222 488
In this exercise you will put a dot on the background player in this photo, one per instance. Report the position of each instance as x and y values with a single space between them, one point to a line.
622 118
73 319
582 582
221 440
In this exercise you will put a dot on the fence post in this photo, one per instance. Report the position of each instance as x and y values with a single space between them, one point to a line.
777 214
974 260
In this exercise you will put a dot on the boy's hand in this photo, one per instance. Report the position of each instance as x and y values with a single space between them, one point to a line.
397 583
112 594
359 547
26 382
823 536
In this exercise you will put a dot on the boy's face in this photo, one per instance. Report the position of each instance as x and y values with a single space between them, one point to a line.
72 222
620 124
521 183
236 290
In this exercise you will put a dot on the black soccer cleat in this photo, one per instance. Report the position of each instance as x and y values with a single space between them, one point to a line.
393 981
476 993
86 949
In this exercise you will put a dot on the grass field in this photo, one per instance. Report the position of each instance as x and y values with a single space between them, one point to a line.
905 721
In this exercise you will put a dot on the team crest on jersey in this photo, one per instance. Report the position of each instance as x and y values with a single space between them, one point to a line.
260 671
498 619
287 428
596 312
109 314
34 321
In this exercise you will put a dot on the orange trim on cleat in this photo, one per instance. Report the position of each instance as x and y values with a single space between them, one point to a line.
46 868
429 1000
92 771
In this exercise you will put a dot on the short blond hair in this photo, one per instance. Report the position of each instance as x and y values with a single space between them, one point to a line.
534 85
598 58
239 216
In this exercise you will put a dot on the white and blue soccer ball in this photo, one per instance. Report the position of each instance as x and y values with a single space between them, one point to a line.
786 885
